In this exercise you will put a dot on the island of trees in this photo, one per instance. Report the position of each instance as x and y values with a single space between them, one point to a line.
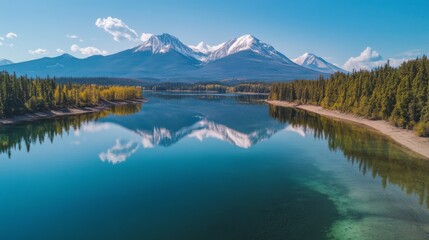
20 95
399 95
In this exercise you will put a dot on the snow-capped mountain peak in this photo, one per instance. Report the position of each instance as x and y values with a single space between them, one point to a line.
202 47
160 44
306 58
235 45
314 62
244 43
165 57
206 49
5 62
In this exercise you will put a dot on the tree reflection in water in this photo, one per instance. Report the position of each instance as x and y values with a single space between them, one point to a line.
24 135
374 153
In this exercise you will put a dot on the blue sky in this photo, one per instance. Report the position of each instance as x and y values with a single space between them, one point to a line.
335 30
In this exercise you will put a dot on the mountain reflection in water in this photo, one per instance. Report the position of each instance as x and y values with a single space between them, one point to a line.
242 121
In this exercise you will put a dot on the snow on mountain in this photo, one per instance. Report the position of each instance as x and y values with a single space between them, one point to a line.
202 47
5 62
164 57
244 43
316 63
159 44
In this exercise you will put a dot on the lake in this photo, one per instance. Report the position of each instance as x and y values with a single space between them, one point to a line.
208 166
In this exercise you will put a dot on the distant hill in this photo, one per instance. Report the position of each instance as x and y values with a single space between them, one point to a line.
5 62
107 81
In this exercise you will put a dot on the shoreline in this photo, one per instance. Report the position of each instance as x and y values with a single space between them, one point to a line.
30 117
208 92
404 137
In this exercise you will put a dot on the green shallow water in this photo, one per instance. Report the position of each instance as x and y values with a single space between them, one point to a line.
196 166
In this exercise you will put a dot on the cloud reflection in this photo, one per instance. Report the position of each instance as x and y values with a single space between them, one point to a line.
299 130
95 127
119 152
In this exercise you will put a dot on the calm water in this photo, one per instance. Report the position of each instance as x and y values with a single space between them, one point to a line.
207 167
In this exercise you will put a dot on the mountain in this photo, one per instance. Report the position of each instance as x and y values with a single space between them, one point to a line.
248 65
166 58
42 67
159 44
5 62
247 57
247 43
317 63
202 47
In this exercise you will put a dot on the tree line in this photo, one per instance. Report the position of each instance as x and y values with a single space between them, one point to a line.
155 85
399 95
19 95
217 87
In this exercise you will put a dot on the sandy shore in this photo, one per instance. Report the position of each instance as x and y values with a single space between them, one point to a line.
65 112
406 138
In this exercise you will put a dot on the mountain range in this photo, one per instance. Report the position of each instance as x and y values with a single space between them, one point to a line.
5 62
166 58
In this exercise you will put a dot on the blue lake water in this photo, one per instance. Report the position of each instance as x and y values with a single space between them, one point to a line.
207 166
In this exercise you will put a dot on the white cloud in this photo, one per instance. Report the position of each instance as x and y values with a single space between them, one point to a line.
396 62
11 35
38 51
117 28
368 59
1 43
89 51
74 48
145 36
411 53
59 50
1 38
72 36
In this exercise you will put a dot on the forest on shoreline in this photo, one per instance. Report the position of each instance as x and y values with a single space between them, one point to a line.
218 87
398 95
20 95
157 85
